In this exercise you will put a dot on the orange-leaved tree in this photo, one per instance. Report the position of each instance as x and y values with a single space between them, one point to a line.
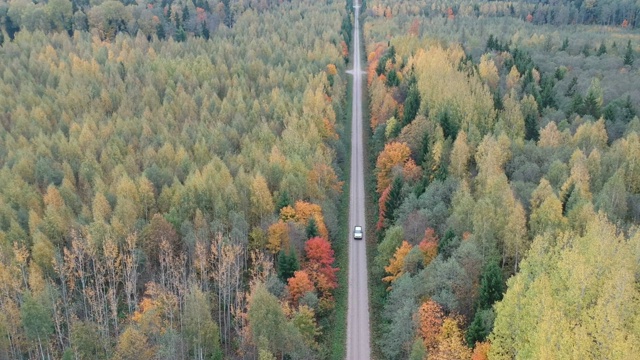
331 69
481 351
299 285
429 246
304 211
430 318
394 154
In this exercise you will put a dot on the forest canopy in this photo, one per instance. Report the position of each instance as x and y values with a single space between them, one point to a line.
504 147
162 164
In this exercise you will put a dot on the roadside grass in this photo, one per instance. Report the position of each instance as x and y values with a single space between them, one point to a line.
377 290
337 337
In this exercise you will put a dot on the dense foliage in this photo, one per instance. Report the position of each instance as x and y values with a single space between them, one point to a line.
150 185
563 12
162 19
504 148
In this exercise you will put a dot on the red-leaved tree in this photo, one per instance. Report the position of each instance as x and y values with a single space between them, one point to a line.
319 250
319 265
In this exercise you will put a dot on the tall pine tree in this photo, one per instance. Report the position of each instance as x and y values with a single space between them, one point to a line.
591 106
448 244
287 264
412 103
547 95
283 200
628 55
532 131
312 228
395 199
491 286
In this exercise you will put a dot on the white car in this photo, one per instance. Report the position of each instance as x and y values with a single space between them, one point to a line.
357 232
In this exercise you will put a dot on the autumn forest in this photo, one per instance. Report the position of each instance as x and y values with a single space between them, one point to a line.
505 169
174 178
155 189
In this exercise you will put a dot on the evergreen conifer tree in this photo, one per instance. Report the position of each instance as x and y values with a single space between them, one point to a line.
287 264
591 106
602 50
395 199
448 244
491 286
283 200
477 331
628 55
411 104
312 228
532 131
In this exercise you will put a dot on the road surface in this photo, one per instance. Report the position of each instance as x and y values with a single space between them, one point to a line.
358 313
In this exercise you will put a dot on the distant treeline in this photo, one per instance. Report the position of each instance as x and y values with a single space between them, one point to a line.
611 13
164 19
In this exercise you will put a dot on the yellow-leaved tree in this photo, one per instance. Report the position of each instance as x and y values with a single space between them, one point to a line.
261 199
546 210
450 344
396 264
574 297
277 237
460 156
489 72
551 137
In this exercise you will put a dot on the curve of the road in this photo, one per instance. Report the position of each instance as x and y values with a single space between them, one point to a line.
358 312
